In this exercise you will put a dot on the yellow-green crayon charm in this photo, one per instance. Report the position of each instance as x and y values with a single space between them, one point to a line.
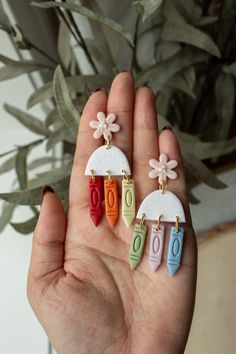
137 244
128 201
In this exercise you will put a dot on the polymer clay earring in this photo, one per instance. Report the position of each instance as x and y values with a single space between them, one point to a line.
160 206
110 161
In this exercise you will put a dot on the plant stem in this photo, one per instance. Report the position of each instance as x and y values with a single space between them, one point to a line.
83 43
39 50
63 17
134 63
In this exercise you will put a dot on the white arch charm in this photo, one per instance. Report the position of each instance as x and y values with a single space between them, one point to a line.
104 159
167 205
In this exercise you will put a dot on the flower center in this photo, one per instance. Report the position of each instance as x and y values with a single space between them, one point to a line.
162 168
105 126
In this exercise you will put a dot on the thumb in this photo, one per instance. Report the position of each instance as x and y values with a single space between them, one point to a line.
49 237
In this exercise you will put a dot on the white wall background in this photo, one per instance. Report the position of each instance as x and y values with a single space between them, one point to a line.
20 332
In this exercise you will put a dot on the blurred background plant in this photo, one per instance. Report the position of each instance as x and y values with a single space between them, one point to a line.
185 51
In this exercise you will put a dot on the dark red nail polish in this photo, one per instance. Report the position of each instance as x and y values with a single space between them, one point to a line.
101 89
167 127
46 189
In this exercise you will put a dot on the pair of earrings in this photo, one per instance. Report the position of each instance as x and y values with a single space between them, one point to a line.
159 206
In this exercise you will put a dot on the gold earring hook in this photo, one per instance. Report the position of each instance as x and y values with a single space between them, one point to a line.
109 175
177 223
142 221
108 143
125 175
92 175
162 188
158 222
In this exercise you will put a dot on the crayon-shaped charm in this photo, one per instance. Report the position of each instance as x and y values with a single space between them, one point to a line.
128 201
111 201
156 246
175 249
95 198
137 245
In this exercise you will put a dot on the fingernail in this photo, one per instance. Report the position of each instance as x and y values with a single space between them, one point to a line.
46 189
167 127
101 89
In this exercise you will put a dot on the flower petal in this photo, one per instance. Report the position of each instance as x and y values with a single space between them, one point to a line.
162 177
114 127
110 118
163 158
171 174
101 117
94 124
154 163
171 164
153 174
98 133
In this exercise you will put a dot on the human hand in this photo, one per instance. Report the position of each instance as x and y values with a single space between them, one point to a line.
80 284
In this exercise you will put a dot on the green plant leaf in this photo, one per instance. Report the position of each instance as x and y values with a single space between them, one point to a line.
185 33
53 117
68 112
63 45
147 7
21 169
212 149
200 171
49 177
224 95
26 227
114 26
41 162
179 83
33 196
190 76
4 19
230 69
75 84
61 134
157 75
207 20
192 198
7 165
29 121
6 215
14 68
176 29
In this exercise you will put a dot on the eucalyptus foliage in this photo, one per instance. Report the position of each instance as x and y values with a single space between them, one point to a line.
189 64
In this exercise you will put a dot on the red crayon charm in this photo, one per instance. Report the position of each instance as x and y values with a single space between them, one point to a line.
111 201
95 198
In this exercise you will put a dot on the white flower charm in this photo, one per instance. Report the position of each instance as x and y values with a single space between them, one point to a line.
104 126
163 168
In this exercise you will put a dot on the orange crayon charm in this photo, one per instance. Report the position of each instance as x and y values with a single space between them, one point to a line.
111 201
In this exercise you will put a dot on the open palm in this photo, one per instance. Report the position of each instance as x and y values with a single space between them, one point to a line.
80 284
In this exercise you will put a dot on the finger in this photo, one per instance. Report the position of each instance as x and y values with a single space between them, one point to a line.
145 141
168 144
49 236
121 102
86 145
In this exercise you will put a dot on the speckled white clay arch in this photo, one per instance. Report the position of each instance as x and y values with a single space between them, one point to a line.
167 205
103 159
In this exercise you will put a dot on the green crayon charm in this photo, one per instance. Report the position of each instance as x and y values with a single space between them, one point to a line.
128 201
137 244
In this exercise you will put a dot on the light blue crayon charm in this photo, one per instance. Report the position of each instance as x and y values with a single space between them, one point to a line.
175 249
